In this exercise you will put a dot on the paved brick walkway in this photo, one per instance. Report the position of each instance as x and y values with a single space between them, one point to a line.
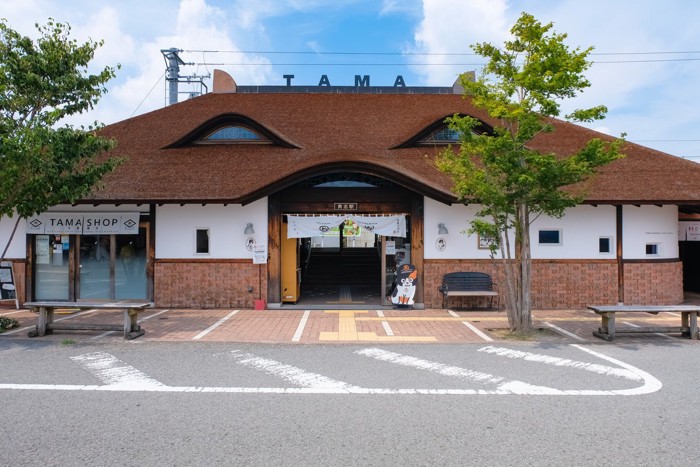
340 326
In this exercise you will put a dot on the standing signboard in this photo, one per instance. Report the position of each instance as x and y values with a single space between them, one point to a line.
7 283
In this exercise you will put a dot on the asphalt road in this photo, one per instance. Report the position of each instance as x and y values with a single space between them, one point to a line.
133 403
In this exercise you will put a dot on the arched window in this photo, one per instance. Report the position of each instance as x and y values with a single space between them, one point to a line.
233 134
444 135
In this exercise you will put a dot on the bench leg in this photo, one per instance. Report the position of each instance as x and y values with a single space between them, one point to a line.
132 329
693 315
607 329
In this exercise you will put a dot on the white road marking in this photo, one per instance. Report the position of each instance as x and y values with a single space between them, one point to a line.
472 327
80 313
477 331
565 332
563 362
505 386
215 325
12 312
651 384
139 321
302 325
119 376
113 372
290 373
385 324
655 333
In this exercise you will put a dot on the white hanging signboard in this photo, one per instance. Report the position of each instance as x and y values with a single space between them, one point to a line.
84 223
312 226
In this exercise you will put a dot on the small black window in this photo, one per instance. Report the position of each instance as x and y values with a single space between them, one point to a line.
652 249
604 245
202 241
550 237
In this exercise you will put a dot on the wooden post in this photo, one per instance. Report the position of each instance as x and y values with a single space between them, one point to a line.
274 236
417 243
620 258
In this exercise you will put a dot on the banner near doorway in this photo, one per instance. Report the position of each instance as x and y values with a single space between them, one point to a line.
300 226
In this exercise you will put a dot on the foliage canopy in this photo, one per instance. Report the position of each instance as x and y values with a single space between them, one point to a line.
521 88
42 81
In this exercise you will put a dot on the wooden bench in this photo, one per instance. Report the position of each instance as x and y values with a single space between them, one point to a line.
46 325
607 331
466 284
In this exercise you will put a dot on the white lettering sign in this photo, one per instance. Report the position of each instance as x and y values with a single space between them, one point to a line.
63 223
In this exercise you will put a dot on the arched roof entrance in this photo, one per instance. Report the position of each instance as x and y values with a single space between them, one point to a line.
337 190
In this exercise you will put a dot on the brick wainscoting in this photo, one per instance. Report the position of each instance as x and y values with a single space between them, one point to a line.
208 284
567 283
654 283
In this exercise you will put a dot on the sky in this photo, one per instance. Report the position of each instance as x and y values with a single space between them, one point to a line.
646 52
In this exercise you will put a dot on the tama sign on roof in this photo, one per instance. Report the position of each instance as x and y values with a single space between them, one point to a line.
88 223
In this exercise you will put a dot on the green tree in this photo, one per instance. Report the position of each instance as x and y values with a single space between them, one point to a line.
522 86
42 161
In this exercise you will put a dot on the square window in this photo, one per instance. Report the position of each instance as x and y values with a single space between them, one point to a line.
202 241
550 237
652 249
604 245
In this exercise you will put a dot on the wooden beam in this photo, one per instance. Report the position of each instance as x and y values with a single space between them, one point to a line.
417 240
274 252
620 261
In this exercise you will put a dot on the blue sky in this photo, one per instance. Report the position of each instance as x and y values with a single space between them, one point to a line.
647 53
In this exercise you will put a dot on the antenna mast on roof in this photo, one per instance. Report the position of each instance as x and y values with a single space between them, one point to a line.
173 78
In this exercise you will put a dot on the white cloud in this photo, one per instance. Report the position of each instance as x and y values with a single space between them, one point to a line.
451 26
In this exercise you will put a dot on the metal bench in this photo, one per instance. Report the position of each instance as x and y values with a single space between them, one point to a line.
466 284
607 330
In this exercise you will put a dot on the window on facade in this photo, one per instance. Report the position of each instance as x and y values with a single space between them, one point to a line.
652 249
202 241
550 237
233 134
444 135
604 245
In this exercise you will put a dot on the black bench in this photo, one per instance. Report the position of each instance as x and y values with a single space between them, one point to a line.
466 284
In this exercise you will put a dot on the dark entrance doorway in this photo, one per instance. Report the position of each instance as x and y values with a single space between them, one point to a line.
347 267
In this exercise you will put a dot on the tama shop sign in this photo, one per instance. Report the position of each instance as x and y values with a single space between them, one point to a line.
92 223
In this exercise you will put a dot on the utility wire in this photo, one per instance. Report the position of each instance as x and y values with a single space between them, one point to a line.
307 52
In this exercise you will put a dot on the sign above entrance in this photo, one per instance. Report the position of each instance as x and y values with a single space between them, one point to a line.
312 226
84 223
345 206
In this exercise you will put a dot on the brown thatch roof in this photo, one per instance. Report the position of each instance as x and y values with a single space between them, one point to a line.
341 132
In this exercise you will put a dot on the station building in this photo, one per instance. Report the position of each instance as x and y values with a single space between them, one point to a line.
212 208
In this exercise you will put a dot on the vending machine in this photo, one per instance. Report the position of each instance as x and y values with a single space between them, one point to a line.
291 268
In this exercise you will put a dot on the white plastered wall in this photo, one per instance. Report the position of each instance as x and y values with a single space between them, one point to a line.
650 225
176 226
581 229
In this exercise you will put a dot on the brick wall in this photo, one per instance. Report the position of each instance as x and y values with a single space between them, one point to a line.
654 283
567 283
200 284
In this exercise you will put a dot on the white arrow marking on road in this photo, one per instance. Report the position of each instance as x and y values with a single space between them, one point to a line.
291 373
505 386
122 377
113 372
556 361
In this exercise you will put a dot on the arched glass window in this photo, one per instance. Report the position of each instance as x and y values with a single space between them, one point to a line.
444 135
233 133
